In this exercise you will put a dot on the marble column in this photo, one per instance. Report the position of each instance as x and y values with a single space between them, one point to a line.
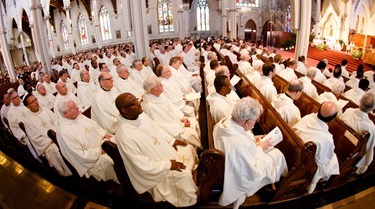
317 19
127 18
69 29
232 19
303 31
40 35
95 19
140 36
24 48
224 17
49 35
4 47
180 27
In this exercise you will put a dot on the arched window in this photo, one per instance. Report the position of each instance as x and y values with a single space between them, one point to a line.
105 24
165 15
203 16
82 29
64 34
363 25
288 18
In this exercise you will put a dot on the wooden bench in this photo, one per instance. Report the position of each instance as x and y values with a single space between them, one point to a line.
300 157
349 146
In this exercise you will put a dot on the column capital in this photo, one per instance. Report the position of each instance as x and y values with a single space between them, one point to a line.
67 7
47 17
37 6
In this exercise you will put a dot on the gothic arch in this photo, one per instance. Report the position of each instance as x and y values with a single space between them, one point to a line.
250 30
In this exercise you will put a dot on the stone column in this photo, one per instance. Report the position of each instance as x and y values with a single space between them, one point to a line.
127 18
180 27
40 35
140 36
98 36
224 17
5 49
317 19
69 28
24 48
303 31
232 19
49 35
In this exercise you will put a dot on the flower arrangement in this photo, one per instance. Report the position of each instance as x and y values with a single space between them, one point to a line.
356 54
321 46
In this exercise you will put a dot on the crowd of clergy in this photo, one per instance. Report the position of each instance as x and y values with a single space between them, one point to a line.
151 112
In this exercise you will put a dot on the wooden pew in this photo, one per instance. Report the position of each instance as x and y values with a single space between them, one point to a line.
349 146
300 157
212 180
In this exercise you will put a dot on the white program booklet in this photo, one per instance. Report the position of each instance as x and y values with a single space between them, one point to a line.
193 96
235 79
275 137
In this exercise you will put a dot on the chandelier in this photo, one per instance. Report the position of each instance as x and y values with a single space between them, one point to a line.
246 5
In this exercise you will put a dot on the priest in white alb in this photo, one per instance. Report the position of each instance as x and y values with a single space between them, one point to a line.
248 166
86 89
80 140
172 120
155 161
125 84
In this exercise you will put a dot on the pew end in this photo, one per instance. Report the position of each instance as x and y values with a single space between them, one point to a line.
212 180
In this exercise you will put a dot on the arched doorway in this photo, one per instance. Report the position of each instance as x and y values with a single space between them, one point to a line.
250 30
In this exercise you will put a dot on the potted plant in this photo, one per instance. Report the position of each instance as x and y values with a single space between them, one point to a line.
356 54
321 46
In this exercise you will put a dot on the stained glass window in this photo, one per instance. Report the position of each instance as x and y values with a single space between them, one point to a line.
247 3
165 15
203 16
64 34
288 20
105 24
82 29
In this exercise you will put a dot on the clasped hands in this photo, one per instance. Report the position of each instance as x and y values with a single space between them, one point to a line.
264 144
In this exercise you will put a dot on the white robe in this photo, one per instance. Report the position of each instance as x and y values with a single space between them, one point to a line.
146 151
4 114
288 74
329 82
176 97
86 92
36 125
344 72
161 110
47 101
50 87
245 67
320 77
69 84
128 85
247 167
309 88
137 76
16 115
301 67
287 109
104 111
354 95
75 75
352 83
267 88
310 128
359 121
80 142
220 106
147 71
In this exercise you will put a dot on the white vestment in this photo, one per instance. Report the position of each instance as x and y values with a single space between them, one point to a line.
287 109
320 77
220 106
301 67
17 114
86 92
80 142
288 74
130 86
4 114
267 88
146 150
254 76
310 128
161 110
344 72
94 74
104 111
354 95
359 121
75 75
147 71
176 97
137 76
69 96
245 67
50 87
69 84
47 101
247 167
329 82
352 83
309 88
36 125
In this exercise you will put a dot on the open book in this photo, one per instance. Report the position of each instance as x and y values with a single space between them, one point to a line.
275 137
